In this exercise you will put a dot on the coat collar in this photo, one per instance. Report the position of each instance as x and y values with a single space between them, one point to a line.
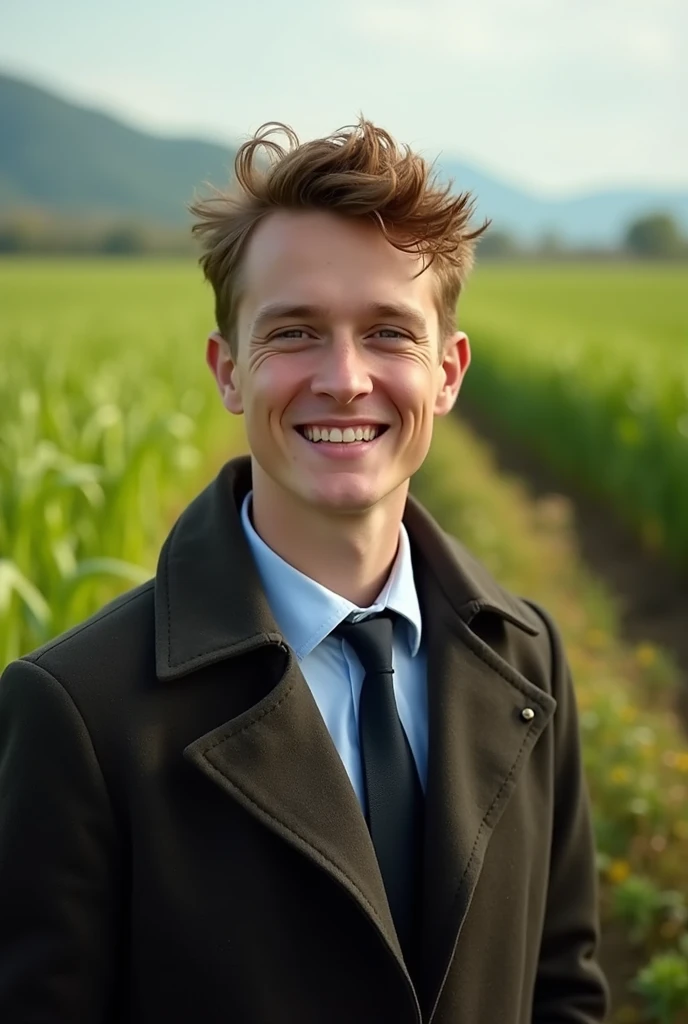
209 604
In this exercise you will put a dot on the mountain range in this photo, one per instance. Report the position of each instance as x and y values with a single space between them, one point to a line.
69 160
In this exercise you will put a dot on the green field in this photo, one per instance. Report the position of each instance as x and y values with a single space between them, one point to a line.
589 366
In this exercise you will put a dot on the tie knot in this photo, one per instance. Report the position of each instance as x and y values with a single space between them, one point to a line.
371 639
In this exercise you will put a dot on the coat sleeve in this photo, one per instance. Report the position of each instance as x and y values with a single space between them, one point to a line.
58 866
570 985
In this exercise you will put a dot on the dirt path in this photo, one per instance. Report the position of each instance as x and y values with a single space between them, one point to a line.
652 597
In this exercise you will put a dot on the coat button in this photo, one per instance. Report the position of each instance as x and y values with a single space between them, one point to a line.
527 714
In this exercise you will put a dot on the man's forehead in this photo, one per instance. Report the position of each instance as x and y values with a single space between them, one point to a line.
320 238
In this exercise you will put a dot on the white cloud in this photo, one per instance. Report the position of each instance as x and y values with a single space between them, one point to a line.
502 35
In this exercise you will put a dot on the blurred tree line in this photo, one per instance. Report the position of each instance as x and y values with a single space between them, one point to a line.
38 233
654 236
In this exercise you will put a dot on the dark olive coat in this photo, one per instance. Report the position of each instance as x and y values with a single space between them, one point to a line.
180 842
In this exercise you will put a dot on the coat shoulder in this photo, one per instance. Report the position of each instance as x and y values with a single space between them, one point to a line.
115 643
92 674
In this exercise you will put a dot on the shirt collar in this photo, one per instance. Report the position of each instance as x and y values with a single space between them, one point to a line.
306 612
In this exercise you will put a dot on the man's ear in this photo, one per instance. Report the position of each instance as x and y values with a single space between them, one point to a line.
224 369
456 358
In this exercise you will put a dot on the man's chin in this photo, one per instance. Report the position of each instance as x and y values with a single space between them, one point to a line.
351 498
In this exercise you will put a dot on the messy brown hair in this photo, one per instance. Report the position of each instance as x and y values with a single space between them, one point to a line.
359 171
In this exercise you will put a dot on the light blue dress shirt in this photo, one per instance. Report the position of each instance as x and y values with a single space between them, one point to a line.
306 613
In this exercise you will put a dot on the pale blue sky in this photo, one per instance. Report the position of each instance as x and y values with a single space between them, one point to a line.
558 95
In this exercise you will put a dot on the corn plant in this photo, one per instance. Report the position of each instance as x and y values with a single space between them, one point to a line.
105 408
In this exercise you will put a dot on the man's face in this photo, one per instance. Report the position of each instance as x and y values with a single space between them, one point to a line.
335 334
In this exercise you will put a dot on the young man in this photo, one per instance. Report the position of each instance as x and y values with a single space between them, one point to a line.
322 769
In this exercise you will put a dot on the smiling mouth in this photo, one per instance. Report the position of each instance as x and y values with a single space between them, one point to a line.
363 434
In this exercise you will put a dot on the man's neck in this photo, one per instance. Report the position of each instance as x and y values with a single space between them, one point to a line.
350 554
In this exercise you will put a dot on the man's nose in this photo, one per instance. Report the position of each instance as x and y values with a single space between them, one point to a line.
343 371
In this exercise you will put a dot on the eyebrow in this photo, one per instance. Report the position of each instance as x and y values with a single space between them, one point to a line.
381 310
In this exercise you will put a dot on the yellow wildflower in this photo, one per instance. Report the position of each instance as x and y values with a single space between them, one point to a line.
620 774
646 655
618 871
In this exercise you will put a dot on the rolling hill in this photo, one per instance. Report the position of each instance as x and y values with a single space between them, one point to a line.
70 160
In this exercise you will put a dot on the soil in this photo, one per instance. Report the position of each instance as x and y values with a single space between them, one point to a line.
652 595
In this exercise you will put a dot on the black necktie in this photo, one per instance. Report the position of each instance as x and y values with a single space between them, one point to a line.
393 791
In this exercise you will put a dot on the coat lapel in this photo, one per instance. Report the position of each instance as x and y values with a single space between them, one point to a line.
278 761
478 745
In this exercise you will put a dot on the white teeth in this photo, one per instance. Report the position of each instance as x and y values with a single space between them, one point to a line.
338 436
